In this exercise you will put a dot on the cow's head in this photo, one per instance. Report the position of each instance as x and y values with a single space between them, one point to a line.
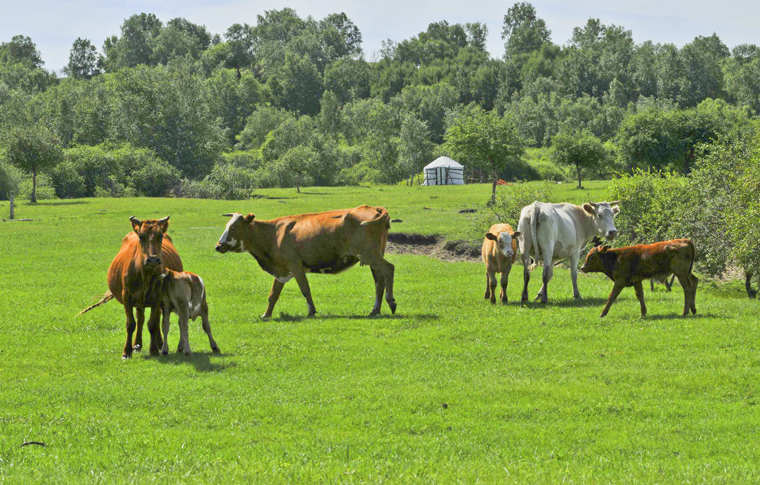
595 260
151 234
602 215
235 232
503 242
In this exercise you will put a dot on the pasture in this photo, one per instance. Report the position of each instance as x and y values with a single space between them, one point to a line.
450 389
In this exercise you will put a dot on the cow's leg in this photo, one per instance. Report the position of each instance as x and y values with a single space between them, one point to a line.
166 313
376 261
613 296
154 329
491 276
685 281
669 286
182 318
487 294
574 274
640 295
504 283
548 253
207 328
137 346
651 284
300 275
526 279
131 324
274 295
694 283
379 290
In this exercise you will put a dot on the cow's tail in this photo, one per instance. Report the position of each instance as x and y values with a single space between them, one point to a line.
106 298
534 236
693 255
382 216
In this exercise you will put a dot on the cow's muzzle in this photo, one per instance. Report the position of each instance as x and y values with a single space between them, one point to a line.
221 248
152 261
611 235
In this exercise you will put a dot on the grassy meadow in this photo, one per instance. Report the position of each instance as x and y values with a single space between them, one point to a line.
450 389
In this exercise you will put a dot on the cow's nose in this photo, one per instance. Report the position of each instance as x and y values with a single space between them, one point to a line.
152 260
219 248
612 234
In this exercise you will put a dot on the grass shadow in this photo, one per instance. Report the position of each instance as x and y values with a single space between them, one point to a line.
202 361
61 202
285 317
586 302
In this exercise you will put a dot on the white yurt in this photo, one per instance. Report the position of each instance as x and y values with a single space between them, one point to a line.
443 171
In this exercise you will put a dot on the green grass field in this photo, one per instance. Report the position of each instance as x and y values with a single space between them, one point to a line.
450 389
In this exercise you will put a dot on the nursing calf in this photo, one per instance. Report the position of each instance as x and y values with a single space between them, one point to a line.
499 253
629 266
184 293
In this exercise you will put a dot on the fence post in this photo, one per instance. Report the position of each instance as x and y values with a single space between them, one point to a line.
11 205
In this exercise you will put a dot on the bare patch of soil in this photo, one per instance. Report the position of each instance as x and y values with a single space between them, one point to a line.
433 246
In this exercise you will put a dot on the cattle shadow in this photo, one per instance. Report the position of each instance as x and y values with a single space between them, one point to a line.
202 361
285 317
678 316
63 202
586 302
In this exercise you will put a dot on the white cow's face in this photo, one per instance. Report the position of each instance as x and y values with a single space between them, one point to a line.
234 234
603 214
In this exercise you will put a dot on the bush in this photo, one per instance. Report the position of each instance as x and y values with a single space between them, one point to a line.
155 179
510 200
67 180
650 203
225 181
45 189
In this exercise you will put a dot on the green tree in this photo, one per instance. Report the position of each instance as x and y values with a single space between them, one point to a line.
578 148
301 160
523 31
20 49
414 145
487 140
83 60
34 150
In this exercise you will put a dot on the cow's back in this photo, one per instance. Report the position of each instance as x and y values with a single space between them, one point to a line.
123 268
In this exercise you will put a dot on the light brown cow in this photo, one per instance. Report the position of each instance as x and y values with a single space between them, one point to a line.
145 253
326 242
499 253
184 293
629 266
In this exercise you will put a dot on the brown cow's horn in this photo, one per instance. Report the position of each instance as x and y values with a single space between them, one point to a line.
165 219
135 220
592 204
229 214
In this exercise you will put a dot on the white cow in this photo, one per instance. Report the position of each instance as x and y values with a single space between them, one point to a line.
555 232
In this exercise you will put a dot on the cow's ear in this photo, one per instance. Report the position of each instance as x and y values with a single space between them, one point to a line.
616 210
516 234
589 208
164 224
249 218
490 236
135 224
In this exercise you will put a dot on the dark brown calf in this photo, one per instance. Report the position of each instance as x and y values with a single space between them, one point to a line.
629 266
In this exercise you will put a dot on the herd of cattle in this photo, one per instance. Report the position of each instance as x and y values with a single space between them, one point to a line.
147 272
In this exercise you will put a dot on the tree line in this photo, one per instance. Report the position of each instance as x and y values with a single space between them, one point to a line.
172 109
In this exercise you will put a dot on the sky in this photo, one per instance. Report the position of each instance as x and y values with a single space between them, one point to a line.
54 24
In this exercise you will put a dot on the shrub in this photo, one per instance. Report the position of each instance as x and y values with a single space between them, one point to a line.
67 181
510 200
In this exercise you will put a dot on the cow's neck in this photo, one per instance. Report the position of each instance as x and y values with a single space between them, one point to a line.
589 230
259 241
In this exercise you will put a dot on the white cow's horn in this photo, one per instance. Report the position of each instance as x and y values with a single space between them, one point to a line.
165 219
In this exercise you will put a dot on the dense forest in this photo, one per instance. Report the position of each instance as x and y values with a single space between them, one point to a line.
169 108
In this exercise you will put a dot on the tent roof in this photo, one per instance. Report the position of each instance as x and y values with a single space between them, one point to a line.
443 162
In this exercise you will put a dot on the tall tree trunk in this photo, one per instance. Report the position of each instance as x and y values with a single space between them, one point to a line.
12 214
298 183
493 188
578 167
34 186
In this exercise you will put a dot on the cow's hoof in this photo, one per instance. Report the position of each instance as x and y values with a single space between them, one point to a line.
137 348
125 356
374 313
577 297
493 301
188 354
266 317
504 301
393 307
215 350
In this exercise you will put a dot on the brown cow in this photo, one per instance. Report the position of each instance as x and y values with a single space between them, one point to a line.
499 253
630 265
133 275
326 242
184 293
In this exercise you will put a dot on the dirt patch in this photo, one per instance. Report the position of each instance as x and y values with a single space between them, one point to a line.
433 246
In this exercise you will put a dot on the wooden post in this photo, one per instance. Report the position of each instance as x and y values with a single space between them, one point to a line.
11 194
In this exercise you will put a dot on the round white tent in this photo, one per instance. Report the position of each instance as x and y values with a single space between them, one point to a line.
443 171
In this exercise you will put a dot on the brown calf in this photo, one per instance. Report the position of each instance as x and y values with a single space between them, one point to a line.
133 274
499 253
630 265
326 242
184 293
